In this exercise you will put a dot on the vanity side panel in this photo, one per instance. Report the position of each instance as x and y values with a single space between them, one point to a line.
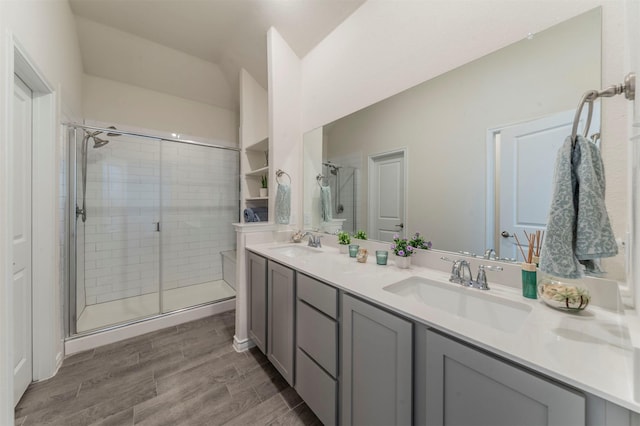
257 274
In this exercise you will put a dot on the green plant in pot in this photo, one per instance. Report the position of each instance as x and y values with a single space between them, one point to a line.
344 239
361 235
263 186
404 248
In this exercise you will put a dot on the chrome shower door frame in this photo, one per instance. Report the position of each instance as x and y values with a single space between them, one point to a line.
72 226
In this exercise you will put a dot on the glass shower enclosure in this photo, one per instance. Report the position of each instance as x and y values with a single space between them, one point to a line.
149 220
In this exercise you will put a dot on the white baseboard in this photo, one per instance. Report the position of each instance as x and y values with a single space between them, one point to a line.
244 345
91 341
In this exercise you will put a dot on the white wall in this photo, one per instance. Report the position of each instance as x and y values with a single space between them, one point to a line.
111 101
58 60
33 23
285 135
117 55
254 116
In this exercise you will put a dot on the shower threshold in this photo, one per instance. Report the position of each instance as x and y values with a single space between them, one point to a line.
107 314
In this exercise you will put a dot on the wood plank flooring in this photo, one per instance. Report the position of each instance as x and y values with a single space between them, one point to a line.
183 375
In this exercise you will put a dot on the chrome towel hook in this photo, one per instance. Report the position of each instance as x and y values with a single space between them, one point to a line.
280 173
628 88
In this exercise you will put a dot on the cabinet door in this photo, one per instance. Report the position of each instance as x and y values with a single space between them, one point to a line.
466 386
257 274
376 366
280 319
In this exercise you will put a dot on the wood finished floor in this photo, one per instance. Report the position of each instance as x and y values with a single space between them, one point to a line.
183 375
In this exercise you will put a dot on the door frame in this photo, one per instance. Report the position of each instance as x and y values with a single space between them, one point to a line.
370 191
46 333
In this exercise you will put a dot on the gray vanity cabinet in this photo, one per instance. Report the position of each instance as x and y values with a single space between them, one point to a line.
257 275
376 363
467 386
281 319
317 347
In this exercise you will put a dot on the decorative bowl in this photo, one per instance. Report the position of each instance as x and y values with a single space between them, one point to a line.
563 296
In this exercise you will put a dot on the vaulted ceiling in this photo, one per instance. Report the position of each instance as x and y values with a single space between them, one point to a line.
171 45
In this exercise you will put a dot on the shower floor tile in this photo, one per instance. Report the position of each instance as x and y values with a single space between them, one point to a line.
123 310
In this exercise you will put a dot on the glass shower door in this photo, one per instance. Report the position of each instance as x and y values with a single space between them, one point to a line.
199 202
117 188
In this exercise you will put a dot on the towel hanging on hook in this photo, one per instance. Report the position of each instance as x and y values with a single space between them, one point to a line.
588 97
280 173
320 179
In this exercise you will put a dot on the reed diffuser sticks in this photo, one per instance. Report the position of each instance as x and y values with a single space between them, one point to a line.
529 267
534 245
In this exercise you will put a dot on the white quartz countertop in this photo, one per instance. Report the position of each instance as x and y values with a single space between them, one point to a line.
591 351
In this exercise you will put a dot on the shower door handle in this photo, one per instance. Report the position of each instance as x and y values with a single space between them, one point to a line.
157 226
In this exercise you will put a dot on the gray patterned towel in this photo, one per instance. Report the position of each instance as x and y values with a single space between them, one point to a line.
578 228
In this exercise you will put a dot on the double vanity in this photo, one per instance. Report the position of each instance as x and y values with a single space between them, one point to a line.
369 344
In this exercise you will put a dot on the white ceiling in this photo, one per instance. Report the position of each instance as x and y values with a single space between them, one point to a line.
157 44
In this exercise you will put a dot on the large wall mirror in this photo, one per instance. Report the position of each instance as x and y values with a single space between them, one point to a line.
464 156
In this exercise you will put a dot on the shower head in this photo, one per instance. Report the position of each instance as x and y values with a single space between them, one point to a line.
99 142
112 134
333 169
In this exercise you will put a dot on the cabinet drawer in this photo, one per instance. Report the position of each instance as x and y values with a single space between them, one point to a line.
318 294
317 335
316 388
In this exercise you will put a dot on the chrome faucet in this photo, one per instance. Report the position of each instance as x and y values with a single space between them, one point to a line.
481 279
488 254
460 271
464 272
461 274
314 240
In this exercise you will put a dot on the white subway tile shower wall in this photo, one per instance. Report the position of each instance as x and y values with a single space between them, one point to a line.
132 184
200 199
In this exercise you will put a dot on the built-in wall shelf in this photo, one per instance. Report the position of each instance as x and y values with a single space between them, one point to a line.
254 142
258 172
262 146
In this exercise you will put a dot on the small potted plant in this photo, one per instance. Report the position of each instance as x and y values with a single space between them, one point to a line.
344 239
419 242
263 187
403 248
361 235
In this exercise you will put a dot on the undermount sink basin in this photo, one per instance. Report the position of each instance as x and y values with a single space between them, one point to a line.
471 304
295 251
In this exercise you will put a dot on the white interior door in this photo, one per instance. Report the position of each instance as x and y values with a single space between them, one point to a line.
387 196
21 232
527 156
